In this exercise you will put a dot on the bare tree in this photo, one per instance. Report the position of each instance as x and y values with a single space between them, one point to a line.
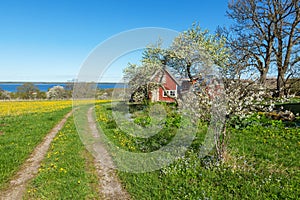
266 34
254 36
286 17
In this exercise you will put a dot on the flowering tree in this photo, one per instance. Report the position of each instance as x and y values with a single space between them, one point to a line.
139 79
4 94
57 92
194 53
201 59
149 75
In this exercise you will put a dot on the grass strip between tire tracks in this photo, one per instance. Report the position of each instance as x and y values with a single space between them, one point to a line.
67 172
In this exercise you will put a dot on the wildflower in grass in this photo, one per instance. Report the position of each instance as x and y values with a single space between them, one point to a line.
53 165
132 148
62 170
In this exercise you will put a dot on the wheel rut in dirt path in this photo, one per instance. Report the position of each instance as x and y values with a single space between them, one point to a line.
30 167
109 184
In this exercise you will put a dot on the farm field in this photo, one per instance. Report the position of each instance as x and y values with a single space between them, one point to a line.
262 160
23 125
14 108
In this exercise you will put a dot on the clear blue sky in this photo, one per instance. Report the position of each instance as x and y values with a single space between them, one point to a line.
48 40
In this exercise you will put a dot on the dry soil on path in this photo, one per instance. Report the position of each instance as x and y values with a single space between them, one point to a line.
109 184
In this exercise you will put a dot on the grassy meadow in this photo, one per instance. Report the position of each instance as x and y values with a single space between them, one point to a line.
261 161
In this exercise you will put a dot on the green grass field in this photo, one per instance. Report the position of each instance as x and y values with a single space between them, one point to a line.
20 135
261 162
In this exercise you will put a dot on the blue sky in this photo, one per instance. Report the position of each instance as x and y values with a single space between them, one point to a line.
48 40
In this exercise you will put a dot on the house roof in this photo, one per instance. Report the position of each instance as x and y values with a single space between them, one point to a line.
172 76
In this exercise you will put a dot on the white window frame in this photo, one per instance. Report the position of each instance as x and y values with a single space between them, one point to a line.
164 93
169 93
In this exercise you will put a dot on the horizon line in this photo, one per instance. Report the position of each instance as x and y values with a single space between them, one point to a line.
48 82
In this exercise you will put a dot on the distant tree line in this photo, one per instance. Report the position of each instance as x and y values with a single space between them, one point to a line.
29 91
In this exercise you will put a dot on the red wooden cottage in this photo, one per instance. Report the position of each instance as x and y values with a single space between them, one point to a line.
171 85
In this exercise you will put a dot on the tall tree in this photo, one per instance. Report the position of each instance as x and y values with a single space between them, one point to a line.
286 17
253 35
266 34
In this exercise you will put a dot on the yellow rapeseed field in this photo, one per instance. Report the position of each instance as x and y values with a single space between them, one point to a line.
14 108
22 107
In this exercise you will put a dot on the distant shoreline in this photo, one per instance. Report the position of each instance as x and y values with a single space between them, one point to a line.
45 82
45 86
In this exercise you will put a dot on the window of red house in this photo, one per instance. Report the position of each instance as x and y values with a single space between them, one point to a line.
171 93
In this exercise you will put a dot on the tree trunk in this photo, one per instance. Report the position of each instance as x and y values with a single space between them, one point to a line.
263 77
280 83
